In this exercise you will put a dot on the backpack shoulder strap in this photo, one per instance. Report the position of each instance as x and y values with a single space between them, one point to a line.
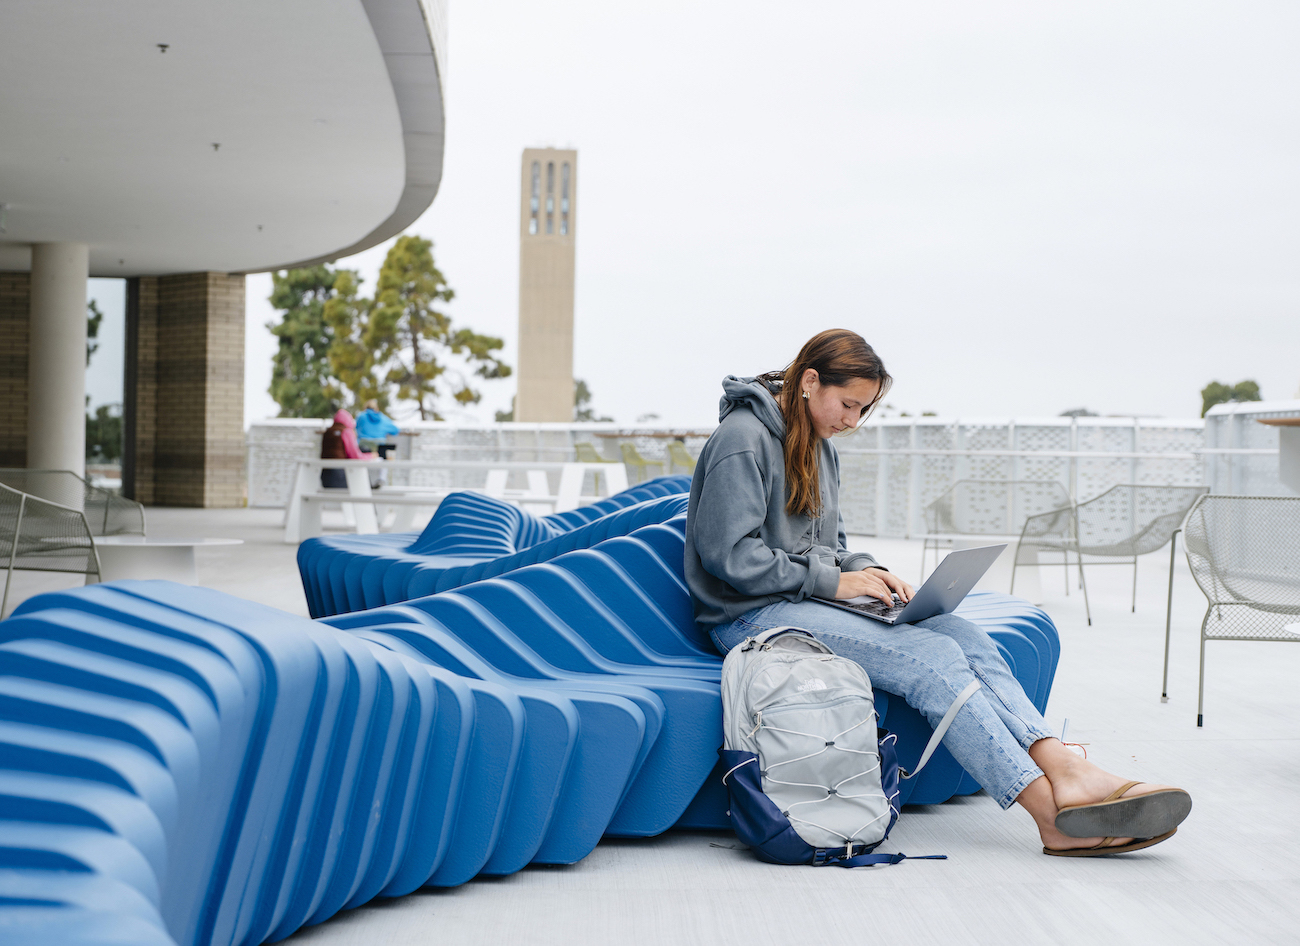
764 639
870 860
941 730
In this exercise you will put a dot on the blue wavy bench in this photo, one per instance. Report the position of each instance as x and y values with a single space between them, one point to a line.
181 766
353 572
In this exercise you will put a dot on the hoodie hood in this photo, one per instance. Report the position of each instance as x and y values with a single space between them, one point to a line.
758 397
743 549
344 418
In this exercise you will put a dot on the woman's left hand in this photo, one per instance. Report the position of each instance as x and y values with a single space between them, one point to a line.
895 584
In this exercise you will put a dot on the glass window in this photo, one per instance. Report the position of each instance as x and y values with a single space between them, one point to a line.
534 198
564 199
550 197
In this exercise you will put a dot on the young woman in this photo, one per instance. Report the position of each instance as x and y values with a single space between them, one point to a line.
764 538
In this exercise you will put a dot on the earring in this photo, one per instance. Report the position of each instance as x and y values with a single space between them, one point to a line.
805 395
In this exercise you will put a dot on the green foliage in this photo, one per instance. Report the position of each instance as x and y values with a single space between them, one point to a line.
104 434
93 322
351 359
504 417
301 381
1216 393
582 410
340 347
408 338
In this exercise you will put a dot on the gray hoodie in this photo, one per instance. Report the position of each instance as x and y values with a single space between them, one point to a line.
742 550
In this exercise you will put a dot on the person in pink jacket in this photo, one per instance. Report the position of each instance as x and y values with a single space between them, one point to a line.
340 443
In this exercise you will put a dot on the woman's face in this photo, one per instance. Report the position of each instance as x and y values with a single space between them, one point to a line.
835 408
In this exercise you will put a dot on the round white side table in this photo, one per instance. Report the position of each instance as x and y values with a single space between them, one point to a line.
134 556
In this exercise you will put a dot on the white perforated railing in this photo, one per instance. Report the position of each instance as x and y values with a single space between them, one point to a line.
890 469
275 445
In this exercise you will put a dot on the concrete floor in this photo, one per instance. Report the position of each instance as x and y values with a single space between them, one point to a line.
263 569
1231 875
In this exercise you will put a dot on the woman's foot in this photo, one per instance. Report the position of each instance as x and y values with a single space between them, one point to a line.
1054 840
1076 781
1111 846
1038 801
1090 802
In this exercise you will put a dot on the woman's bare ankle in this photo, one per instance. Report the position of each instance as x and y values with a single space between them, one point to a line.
1038 799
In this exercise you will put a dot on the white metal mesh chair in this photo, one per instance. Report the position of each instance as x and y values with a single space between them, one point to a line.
43 536
106 512
987 507
1123 522
1244 552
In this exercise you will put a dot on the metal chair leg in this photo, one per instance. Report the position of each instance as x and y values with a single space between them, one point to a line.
1200 686
1083 583
13 553
1134 606
1169 611
1065 562
4 603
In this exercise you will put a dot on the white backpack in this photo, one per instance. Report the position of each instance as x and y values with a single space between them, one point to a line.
811 778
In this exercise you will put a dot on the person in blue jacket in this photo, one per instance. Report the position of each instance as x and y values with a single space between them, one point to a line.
765 539
373 431
373 427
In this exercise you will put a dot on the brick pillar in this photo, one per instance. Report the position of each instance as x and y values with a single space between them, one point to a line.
140 389
184 411
15 315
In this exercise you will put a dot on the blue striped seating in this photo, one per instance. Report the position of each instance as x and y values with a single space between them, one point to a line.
178 766
352 572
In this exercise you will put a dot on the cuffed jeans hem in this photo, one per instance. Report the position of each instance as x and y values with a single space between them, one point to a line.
1034 735
1030 729
1008 798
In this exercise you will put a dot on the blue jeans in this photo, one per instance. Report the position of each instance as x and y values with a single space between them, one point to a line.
927 664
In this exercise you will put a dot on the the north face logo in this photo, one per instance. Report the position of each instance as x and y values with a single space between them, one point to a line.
814 684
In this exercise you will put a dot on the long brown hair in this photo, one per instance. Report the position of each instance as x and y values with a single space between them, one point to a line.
838 356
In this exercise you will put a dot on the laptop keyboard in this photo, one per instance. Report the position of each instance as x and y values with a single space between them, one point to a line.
878 608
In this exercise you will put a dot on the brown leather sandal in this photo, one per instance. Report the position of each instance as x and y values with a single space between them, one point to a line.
1105 847
1140 816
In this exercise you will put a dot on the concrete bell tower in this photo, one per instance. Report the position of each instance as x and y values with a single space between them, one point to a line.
547 221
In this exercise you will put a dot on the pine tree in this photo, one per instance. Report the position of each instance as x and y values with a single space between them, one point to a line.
351 354
301 377
409 341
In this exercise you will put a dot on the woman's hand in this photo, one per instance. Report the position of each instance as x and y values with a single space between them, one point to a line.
875 583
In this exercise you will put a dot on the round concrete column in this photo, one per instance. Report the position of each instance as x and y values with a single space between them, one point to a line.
56 358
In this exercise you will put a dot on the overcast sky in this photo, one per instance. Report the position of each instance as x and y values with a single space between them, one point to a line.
1025 207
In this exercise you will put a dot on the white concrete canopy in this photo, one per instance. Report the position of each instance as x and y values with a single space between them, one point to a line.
233 137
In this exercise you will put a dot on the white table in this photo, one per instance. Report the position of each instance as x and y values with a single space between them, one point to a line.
134 556
302 512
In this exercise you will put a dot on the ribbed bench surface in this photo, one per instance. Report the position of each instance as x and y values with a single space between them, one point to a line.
181 766
470 536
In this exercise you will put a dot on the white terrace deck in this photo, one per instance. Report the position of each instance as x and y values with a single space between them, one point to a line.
1232 874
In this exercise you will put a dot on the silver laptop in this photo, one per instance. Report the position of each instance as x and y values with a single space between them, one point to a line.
942 592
